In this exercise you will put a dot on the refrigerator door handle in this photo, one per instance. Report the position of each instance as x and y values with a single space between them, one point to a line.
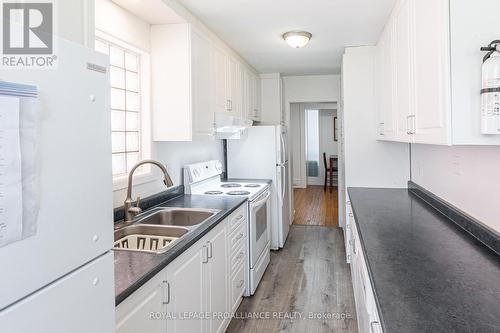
283 180
283 153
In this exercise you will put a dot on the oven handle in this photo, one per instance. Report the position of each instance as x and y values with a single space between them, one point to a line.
259 203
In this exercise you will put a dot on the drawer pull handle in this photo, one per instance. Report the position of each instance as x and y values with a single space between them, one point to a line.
240 255
167 297
210 251
372 325
240 284
240 236
239 217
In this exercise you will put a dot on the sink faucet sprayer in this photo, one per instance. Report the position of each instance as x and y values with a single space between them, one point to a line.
130 210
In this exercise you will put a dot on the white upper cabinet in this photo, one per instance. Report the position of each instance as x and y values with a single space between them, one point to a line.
402 88
386 126
429 71
192 79
431 60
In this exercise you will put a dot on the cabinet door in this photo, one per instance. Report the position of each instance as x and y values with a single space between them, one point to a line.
185 277
432 71
257 98
247 94
237 90
218 272
386 117
231 68
203 88
138 312
402 88
221 81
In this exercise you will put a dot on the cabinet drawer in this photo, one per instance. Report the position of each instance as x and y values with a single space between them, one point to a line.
238 257
237 218
237 288
238 236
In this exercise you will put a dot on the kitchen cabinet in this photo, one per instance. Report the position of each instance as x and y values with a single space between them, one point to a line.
234 87
221 78
367 314
187 290
431 60
429 72
182 86
386 125
192 79
251 99
217 279
135 313
198 282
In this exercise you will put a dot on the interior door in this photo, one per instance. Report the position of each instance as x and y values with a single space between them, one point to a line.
314 158
285 206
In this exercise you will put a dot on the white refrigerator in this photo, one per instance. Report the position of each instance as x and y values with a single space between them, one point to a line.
263 154
61 279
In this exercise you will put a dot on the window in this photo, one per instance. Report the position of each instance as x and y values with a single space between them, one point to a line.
130 142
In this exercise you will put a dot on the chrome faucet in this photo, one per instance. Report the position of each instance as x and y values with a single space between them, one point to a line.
130 210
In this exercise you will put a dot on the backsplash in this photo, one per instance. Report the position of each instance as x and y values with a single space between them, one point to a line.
467 177
175 155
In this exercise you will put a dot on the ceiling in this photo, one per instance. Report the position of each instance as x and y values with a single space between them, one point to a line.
254 28
150 11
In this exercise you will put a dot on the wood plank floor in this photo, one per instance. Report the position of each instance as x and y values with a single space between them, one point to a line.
313 206
309 275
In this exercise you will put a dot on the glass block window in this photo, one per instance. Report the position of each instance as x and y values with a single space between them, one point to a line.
125 110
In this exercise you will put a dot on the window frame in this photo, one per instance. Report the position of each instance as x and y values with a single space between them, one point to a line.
144 174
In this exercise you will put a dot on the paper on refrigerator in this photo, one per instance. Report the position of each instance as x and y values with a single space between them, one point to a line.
11 198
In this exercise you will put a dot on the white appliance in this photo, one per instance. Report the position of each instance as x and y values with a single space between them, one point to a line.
264 154
205 179
61 279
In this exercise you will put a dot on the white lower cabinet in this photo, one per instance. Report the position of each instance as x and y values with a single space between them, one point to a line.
366 307
143 311
194 292
217 279
186 296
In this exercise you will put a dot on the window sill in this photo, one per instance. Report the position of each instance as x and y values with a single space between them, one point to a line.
121 183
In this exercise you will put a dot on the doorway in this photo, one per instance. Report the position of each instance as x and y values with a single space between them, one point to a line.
314 134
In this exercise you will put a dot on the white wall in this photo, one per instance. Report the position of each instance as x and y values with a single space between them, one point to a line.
121 24
75 21
368 162
327 143
297 141
467 177
309 88
175 155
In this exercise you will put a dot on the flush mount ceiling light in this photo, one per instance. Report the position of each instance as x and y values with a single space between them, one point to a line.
297 39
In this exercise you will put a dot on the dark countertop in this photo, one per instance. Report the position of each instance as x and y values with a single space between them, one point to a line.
133 269
428 275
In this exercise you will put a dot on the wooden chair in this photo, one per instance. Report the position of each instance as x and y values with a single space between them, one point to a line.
327 171
330 171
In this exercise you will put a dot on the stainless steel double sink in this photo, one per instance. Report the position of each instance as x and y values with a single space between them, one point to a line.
156 230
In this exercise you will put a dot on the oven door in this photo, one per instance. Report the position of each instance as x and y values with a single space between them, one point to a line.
259 217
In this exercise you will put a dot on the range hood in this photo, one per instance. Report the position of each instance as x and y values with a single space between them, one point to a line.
230 127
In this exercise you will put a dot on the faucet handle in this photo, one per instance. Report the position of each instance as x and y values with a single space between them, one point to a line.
138 202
